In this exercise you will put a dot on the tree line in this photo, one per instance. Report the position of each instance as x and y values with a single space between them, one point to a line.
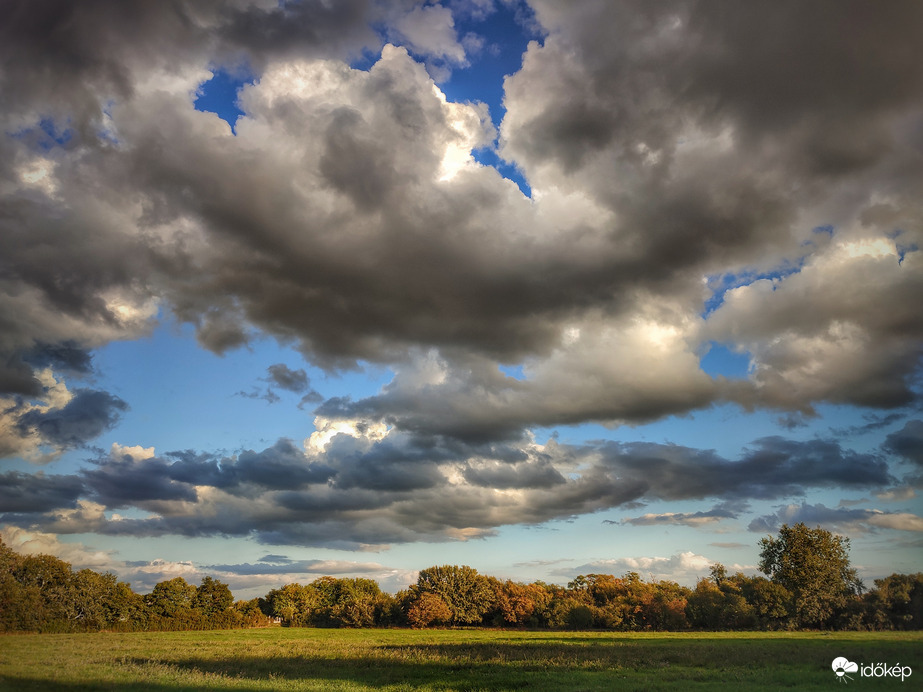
808 584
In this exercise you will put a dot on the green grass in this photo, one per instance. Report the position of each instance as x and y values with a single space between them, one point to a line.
315 659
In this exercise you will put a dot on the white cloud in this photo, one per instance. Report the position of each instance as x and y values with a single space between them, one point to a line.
685 567
901 521
136 452
430 31
78 555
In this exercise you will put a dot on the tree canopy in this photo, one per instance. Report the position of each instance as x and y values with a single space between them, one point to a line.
813 565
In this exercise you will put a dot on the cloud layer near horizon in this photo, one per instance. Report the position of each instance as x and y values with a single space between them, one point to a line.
368 488
701 174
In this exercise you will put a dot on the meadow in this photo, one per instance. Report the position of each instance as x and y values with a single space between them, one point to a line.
400 659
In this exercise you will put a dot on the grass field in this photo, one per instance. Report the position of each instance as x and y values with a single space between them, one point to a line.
317 659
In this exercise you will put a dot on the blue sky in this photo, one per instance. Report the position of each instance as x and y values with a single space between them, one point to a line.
546 289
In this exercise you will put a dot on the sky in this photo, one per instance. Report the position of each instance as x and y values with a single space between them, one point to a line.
355 288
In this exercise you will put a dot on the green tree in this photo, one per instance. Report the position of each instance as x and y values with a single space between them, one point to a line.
813 565
898 601
54 581
348 602
770 601
212 597
718 603
172 599
100 599
250 614
21 606
467 594
293 603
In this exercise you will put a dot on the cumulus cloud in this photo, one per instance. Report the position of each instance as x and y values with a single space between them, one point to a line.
657 173
58 419
430 31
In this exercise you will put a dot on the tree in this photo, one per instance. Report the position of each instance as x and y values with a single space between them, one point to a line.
54 581
518 604
718 602
348 602
293 603
21 606
770 601
813 565
898 601
212 597
172 598
467 593
428 609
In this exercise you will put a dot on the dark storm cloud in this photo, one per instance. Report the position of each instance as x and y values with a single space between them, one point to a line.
67 357
116 482
569 389
88 414
907 442
503 475
75 267
826 72
280 376
280 467
357 493
23 492
300 29
772 467
127 482
65 58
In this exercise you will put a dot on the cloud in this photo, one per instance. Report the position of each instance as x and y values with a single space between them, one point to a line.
838 519
907 442
282 377
24 492
660 160
745 176
365 487
430 31
83 418
41 428
726 510
303 567
896 494
685 567
38 543
286 378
